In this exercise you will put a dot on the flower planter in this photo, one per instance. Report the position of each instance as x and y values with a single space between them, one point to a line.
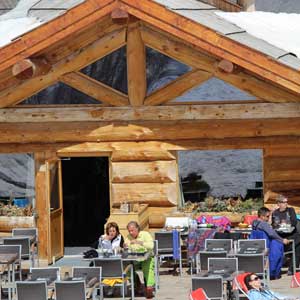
8 223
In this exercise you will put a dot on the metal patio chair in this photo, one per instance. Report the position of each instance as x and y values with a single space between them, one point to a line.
112 268
31 290
218 245
212 286
70 290
224 267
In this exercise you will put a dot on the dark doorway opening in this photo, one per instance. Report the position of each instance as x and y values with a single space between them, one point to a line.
85 199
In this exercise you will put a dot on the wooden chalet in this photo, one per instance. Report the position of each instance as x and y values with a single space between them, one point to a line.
140 133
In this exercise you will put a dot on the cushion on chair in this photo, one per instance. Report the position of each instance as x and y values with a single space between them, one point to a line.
198 294
295 280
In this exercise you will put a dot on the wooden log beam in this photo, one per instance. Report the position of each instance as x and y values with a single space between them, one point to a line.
30 68
156 171
151 113
141 155
136 65
154 194
95 89
227 66
212 42
75 62
178 87
119 16
177 49
146 131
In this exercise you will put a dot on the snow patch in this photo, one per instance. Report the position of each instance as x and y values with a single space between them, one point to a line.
281 30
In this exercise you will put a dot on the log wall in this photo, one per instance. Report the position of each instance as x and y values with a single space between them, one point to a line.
282 173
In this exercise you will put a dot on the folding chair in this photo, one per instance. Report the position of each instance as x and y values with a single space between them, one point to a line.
218 245
167 247
24 242
238 285
32 290
203 256
112 268
295 280
253 263
198 294
70 290
212 286
252 246
34 243
92 277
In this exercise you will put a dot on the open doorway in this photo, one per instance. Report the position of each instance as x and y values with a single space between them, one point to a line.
85 199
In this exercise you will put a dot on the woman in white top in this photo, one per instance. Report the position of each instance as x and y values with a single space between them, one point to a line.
112 238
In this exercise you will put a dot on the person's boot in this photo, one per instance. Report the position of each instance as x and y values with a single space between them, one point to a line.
149 292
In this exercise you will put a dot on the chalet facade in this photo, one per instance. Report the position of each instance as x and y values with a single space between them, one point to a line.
140 133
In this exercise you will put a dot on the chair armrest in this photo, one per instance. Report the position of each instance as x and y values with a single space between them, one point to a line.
91 290
129 267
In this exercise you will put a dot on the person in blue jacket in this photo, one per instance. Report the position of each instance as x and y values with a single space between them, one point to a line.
274 241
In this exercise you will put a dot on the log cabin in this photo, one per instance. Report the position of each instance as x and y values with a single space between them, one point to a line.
139 133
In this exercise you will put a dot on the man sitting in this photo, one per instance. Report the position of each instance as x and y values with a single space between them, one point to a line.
275 241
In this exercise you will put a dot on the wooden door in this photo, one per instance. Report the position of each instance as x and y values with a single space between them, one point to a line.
55 202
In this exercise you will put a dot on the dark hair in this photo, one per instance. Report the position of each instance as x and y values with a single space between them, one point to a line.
263 211
112 225
247 281
135 224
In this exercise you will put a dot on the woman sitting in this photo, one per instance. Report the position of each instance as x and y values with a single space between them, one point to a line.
112 239
256 291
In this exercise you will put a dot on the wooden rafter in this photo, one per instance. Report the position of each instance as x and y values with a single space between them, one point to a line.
77 61
208 40
95 89
178 50
82 113
178 87
136 65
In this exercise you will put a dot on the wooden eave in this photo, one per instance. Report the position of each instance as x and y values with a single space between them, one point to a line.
192 33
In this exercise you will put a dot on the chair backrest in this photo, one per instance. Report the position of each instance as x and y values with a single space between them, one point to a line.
254 263
252 246
50 273
164 241
212 285
110 267
218 244
70 290
239 283
7 249
22 241
87 273
32 290
25 231
222 266
204 255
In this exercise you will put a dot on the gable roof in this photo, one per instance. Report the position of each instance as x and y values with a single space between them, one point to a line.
192 21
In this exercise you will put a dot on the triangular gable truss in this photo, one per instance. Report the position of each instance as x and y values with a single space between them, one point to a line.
109 27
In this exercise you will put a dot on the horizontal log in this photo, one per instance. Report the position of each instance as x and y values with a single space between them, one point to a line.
157 220
282 175
154 194
284 151
163 113
141 155
159 172
145 131
282 163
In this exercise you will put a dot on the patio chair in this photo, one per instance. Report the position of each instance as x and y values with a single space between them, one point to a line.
295 280
224 267
203 256
70 290
32 290
7 249
253 263
34 243
198 294
168 245
212 286
252 246
112 269
92 277
50 274
218 245
24 242
238 285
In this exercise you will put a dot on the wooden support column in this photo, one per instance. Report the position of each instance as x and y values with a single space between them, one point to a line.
136 65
